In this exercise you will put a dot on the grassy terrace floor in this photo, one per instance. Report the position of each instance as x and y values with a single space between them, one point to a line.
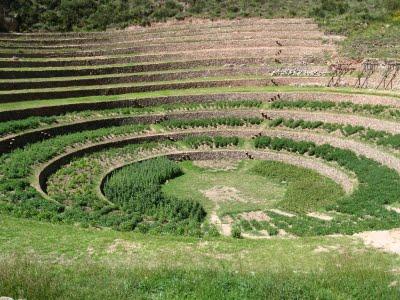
92 99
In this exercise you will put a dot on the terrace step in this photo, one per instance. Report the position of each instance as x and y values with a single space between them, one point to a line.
17 73
27 95
164 45
266 52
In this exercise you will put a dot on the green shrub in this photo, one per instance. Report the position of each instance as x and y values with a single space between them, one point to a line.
236 232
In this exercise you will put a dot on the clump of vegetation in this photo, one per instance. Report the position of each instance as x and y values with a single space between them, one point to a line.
217 141
228 121
137 190
215 105
236 231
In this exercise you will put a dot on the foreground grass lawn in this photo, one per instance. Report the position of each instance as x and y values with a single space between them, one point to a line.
46 261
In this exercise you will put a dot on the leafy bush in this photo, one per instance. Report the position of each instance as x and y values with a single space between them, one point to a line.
236 231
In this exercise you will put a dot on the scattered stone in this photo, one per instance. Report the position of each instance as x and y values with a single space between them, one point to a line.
300 72
282 213
320 216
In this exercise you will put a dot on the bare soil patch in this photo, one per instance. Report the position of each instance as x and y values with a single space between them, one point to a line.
386 240
320 216
123 245
282 213
255 215
223 194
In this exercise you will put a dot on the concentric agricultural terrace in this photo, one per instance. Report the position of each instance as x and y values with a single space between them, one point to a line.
230 127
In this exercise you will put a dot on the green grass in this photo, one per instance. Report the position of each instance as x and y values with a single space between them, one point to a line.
260 185
257 192
19 197
306 190
379 40
375 110
66 261
44 261
211 122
